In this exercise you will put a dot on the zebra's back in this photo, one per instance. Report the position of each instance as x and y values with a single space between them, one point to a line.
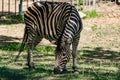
51 19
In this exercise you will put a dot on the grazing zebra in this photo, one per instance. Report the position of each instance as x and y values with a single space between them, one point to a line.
55 21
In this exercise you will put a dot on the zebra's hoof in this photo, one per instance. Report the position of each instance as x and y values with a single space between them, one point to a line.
76 72
31 66
65 70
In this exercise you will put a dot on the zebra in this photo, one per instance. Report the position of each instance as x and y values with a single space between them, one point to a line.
55 21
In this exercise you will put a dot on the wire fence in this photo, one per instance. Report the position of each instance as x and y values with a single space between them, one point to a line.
13 6
92 4
6 7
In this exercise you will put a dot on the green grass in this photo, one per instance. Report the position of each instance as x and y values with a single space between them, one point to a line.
12 19
10 46
94 27
80 2
15 17
98 58
91 14
90 64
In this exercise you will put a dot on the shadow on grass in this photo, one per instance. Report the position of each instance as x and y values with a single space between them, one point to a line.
8 38
7 43
45 64
47 74
11 74
99 74
100 53
9 21
23 74
88 76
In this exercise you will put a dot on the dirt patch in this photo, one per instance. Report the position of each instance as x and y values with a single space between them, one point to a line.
106 33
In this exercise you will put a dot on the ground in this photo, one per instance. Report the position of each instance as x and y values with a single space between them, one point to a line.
98 52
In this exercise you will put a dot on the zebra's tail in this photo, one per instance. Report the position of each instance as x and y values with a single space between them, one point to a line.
22 45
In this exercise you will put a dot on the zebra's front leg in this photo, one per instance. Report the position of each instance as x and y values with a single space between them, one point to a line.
74 61
74 51
30 56
65 69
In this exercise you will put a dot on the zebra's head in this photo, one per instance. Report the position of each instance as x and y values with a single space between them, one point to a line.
62 56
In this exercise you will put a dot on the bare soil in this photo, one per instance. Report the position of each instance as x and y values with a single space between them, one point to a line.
107 34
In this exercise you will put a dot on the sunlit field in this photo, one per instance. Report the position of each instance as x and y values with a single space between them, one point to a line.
98 54
98 57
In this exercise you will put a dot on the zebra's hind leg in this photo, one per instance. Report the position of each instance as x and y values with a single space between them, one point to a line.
31 45
74 51
30 56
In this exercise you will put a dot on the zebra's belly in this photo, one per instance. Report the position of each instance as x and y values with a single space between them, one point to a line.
52 40
51 37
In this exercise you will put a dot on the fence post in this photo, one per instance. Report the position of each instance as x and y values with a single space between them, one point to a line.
8 6
15 7
2 7
94 4
27 3
77 4
72 2
20 8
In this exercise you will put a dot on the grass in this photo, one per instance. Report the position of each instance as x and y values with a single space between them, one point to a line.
94 27
91 66
91 14
98 58
79 2
11 19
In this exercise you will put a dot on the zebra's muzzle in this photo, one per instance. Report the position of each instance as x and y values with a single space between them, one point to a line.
58 70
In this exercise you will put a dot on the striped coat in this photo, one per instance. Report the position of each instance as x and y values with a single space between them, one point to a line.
55 21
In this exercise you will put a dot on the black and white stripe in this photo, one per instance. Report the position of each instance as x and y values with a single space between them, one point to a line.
55 21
